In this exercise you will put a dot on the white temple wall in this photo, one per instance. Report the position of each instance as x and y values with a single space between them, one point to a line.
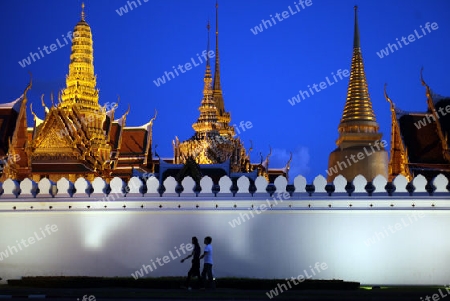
408 246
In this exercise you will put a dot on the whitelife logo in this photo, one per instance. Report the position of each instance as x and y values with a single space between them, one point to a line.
124 9
378 236
187 66
11 250
319 87
431 118
166 259
52 48
340 165
411 38
280 17
300 278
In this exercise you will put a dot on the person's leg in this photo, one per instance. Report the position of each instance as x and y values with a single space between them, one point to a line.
188 279
203 276
211 277
197 274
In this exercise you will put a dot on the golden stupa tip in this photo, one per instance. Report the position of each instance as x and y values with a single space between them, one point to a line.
82 11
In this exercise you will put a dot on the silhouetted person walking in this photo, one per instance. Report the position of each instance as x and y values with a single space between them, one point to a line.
207 263
195 268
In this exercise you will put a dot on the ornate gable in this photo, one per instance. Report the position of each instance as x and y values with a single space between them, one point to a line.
54 135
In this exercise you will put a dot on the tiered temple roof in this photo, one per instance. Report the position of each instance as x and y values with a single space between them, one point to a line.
420 139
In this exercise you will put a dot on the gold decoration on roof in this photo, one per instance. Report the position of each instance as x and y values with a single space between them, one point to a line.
398 162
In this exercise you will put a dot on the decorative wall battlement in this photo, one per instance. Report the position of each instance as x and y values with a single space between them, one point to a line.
239 189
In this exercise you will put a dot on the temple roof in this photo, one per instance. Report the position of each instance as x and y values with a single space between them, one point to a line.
15 104
134 141
8 118
419 133
9 114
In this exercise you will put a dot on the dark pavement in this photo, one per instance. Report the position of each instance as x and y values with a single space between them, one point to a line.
94 294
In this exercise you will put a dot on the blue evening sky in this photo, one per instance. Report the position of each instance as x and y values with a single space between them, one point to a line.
259 72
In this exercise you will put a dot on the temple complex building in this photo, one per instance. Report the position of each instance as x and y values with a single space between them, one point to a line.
78 137
214 149
214 140
360 150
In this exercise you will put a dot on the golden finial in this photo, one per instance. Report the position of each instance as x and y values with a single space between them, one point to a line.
82 11
208 27
154 117
29 84
59 97
31 109
51 99
217 17
389 100
421 78
356 42
43 104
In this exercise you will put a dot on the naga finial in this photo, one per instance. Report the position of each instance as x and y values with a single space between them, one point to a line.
43 104
270 152
154 117
288 164
29 84
51 99
31 110
387 98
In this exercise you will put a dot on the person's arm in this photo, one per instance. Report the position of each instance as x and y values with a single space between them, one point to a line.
204 253
189 256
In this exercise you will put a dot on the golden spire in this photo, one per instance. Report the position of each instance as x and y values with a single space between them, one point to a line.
217 86
358 116
82 11
81 81
206 123
223 117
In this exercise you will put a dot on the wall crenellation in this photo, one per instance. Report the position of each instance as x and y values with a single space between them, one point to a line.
238 188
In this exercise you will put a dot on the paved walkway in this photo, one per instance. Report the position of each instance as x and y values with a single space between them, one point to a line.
93 294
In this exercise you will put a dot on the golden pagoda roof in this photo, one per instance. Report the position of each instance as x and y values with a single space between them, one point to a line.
81 81
206 122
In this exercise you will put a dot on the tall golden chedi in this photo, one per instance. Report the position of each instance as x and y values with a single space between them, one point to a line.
214 141
359 151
